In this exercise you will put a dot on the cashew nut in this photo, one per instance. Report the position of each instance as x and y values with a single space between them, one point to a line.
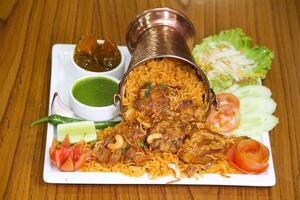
118 144
153 137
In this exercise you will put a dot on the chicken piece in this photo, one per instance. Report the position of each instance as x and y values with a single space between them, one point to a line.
204 147
116 156
190 112
132 133
101 153
135 155
159 101
169 136
129 138
153 99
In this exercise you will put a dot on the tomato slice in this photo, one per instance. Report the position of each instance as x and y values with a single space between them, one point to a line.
249 156
228 98
226 119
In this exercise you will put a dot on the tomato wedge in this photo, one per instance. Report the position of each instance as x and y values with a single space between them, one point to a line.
81 160
78 150
64 154
53 146
66 142
68 165
228 117
249 156
66 157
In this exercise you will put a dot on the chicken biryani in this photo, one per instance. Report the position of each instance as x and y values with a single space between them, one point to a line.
163 131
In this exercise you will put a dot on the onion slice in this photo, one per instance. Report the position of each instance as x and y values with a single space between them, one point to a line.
58 107
175 169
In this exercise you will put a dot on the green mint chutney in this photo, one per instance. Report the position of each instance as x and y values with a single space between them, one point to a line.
95 91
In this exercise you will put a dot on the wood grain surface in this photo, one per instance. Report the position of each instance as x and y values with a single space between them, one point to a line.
33 26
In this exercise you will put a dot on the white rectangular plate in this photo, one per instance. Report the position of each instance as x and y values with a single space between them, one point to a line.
62 76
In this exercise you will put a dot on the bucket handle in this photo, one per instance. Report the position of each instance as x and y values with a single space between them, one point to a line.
117 97
213 100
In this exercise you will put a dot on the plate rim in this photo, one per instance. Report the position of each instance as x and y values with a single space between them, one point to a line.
56 177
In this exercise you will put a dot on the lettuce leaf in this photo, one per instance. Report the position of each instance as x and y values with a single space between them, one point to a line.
261 56
236 37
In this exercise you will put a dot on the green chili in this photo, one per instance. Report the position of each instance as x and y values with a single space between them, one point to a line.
58 119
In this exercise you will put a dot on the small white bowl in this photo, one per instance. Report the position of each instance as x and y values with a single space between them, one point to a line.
93 113
117 72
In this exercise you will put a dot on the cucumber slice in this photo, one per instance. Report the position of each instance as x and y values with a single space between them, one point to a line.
256 123
257 104
84 130
252 90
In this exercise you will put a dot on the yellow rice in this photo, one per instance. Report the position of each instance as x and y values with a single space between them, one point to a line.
175 74
172 72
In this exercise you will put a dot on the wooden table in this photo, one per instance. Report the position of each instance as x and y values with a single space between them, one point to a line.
26 39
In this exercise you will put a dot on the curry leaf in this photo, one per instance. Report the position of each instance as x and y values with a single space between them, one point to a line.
162 85
147 91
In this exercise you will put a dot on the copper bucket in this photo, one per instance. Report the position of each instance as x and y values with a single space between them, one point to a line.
159 33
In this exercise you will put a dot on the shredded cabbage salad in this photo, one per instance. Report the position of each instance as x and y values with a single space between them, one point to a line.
229 58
